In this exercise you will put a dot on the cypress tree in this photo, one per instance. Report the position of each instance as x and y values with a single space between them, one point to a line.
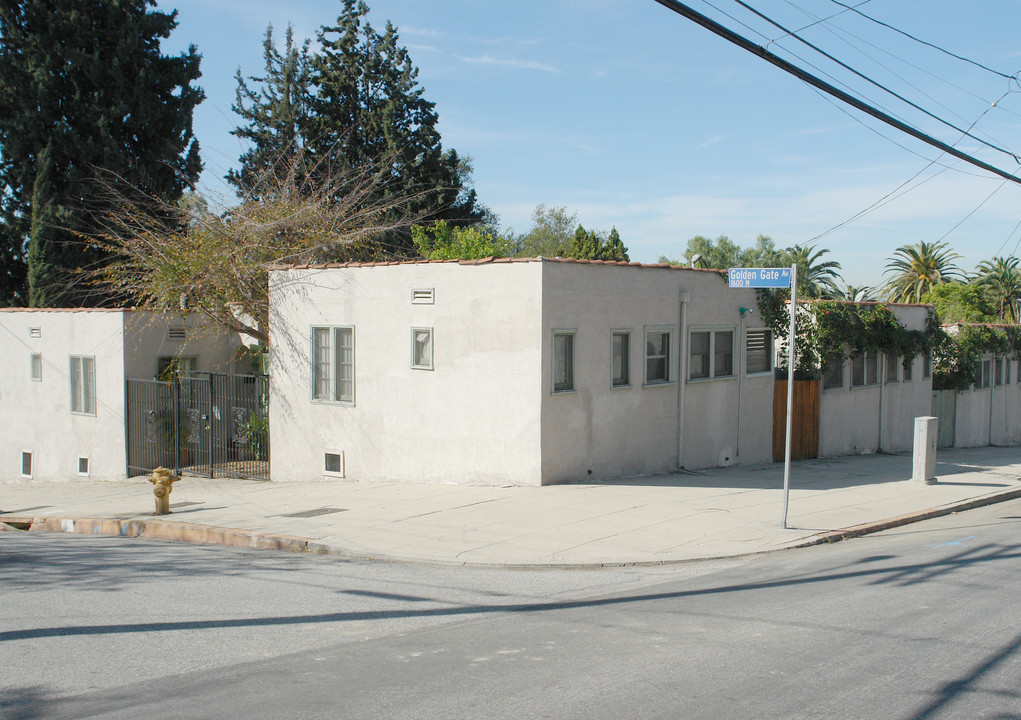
86 100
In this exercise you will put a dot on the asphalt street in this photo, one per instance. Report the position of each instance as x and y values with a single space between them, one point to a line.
916 622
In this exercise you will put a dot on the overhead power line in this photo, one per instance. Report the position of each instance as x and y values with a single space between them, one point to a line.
745 44
793 34
855 9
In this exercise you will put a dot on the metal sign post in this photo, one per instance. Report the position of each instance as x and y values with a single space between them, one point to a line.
777 278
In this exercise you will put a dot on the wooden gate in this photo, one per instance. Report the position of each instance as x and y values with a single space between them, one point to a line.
944 407
804 428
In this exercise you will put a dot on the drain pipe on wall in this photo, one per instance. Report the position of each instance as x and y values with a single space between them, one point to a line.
881 371
682 372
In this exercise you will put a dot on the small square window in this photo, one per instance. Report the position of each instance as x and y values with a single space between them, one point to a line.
37 367
333 464
621 359
563 361
26 463
83 466
422 348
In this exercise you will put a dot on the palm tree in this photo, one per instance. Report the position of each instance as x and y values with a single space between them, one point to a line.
915 269
855 293
1000 280
815 279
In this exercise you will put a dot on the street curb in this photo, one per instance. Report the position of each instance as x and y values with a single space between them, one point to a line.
235 537
874 527
166 530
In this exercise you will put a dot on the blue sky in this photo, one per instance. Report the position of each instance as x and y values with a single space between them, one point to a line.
635 117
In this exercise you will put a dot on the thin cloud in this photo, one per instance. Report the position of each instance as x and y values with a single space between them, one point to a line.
510 63
422 32
710 141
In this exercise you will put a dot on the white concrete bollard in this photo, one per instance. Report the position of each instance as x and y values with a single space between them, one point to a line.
923 467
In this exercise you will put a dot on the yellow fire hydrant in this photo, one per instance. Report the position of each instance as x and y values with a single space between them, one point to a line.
162 484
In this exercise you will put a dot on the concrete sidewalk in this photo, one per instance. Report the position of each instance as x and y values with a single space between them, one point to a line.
656 519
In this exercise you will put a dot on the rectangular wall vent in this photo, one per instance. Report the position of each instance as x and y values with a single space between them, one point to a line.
423 296
35 332
176 333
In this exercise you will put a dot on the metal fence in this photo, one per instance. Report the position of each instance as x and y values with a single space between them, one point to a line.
206 424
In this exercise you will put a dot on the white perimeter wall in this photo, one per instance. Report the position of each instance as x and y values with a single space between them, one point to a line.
473 419
990 416
36 416
876 417
598 431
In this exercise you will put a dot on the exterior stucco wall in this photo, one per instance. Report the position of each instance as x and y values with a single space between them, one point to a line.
473 419
597 431
991 415
855 420
148 338
36 416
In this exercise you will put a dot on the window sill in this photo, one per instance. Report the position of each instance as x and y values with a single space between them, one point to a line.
712 379
333 403
660 383
621 387
764 373
572 391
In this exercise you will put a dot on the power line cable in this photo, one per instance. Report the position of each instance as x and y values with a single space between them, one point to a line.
745 44
792 34
854 9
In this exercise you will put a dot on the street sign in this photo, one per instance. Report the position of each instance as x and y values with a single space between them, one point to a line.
760 277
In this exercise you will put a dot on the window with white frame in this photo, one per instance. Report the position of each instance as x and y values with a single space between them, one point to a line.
422 348
83 466
333 463
621 358
865 369
26 463
711 354
333 364
657 355
83 384
892 365
758 351
998 371
563 360
833 372
37 367
909 369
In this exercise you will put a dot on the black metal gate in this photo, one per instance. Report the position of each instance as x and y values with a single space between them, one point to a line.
206 424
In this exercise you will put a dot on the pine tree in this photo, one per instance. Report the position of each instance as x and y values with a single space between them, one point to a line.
277 114
365 109
84 87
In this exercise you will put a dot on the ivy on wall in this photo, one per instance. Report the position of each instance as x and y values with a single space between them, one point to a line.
829 328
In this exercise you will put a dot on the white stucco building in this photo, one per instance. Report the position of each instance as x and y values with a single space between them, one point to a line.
514 371
62 383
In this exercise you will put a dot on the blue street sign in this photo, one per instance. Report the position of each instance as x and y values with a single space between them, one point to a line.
760 277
